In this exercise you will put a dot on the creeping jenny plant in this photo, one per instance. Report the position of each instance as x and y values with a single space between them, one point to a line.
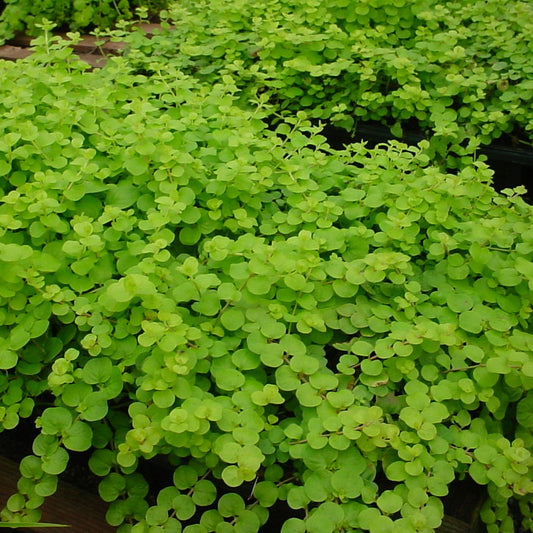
459 70
344 332
26 15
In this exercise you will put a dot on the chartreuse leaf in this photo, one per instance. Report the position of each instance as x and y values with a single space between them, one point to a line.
372 520
259 285
524 412
390 502
267 493
78 437
136 165
204 493
97 370
269 394
56 420
232 319
326 517
101 462
184 506
345 484
230 504
293 525
11 253
56 462
122 195
8 359
185 477
94 406
46 486
471 321
111 487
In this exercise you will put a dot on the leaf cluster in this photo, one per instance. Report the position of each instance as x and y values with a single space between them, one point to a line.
461 72
27 15
340 332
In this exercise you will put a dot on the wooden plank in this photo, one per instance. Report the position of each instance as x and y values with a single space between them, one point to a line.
84 512
12 53
86 48
95 60
86 45
150 27
20 40
9 475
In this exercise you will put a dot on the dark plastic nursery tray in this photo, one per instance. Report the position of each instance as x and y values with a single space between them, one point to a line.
513 166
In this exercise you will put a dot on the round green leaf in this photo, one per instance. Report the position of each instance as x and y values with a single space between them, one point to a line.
524 411
266 493
184 507
231 475
14 253
101 462
8 359
31 467
372 520
259 285
372 368
136 165
471 321
185 477
232 319
56 463
46 486
230 504
55 420
326 518
474 353
97 370
294 525
123 195
111 487
459 302
390 502
78 437
316 486
345 484
204 493
297 497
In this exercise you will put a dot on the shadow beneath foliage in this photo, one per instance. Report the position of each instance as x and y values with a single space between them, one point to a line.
512 165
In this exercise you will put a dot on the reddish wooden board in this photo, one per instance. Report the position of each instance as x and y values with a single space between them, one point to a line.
87 49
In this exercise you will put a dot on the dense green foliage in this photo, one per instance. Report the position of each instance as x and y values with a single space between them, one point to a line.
24 15
460 70
343 331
